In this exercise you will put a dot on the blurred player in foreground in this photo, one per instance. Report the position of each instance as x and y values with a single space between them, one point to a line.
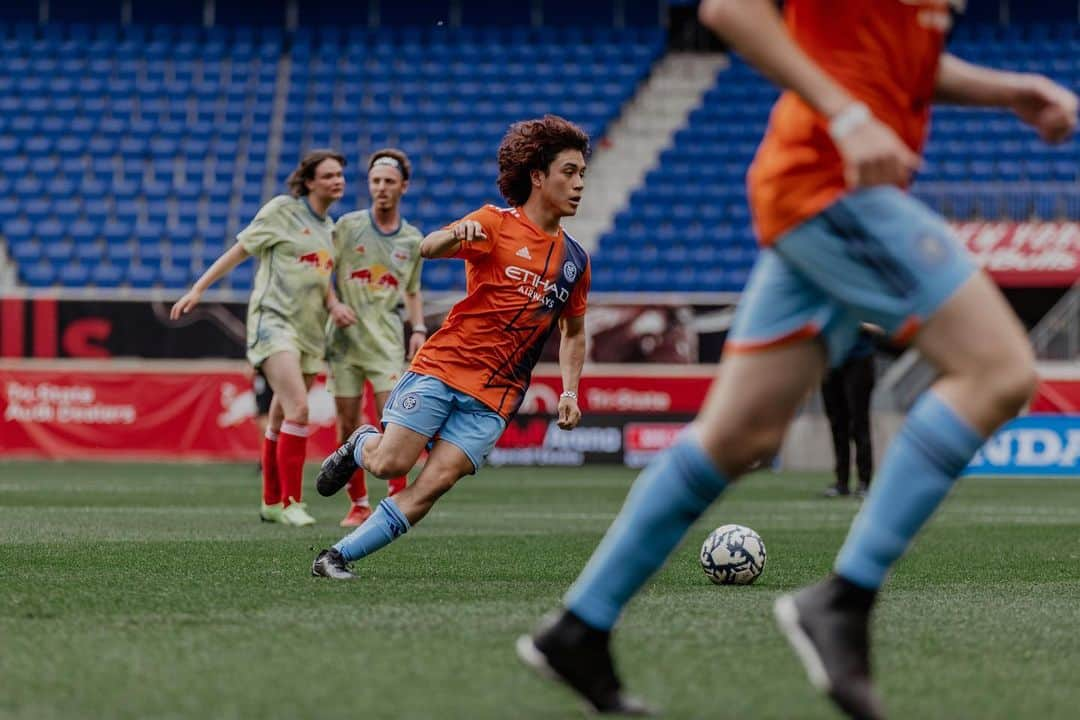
842 244
526 277
379 265
286 322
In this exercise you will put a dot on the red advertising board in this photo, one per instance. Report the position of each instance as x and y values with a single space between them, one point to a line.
1057 396
1030 254
172 411
614 390
115 414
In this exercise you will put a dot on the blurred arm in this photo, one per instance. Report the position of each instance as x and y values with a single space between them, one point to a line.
756 31
962 83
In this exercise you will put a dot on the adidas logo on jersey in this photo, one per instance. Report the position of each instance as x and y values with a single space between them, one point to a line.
524 253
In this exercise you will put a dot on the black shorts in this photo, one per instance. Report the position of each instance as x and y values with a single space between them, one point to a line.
263 393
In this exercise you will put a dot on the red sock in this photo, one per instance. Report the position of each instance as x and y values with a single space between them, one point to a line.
357 486
396 485
292 447
271 482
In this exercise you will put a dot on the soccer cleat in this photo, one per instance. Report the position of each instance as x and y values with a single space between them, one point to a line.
836 491
567 650
330 564
296 514
828 626
357 515
340 465
271 513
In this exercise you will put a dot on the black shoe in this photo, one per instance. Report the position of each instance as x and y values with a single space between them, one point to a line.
828 625
330 564
861 489
836 491
340 465
564 648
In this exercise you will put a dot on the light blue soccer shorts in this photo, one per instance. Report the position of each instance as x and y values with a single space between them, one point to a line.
876 255
430 407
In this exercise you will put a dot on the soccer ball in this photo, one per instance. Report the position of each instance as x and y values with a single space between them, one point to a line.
733 555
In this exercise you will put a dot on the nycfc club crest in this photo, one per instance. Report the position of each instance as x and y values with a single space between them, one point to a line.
931 250
569 270
410 402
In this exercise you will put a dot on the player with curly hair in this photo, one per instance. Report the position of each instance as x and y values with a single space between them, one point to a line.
526 277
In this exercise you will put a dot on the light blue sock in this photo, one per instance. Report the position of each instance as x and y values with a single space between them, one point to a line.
358 449
384 526
926 456
668 496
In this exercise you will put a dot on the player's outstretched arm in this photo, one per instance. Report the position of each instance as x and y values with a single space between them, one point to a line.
873 154
571 361
444 243
221 267
1037 100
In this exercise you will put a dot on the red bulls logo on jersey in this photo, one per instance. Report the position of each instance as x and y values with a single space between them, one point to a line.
320 260
361 276
377 275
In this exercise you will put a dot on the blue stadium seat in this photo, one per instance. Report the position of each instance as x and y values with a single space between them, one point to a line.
175 277
24 251
40 274
88 253
140 276
74 275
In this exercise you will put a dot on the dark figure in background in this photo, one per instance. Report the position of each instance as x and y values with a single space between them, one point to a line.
846 392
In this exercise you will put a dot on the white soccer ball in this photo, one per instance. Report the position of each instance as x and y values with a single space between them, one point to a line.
733 555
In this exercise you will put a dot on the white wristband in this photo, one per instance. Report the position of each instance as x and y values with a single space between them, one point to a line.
848 120
569 394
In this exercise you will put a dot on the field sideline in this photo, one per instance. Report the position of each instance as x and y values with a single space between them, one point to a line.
152 591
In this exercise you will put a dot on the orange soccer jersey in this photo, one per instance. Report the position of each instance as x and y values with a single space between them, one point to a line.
885 53
520 280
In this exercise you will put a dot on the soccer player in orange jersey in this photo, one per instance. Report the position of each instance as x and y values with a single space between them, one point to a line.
525 277
842 244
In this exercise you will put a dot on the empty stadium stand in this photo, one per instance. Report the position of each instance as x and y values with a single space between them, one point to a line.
687 228
130 156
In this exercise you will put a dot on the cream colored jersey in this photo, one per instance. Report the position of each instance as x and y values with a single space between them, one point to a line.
295 249
373 270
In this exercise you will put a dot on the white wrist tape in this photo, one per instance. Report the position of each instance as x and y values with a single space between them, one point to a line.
848 120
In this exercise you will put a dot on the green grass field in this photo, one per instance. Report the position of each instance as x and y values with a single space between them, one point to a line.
151 591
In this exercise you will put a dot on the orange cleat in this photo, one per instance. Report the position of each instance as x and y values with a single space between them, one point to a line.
357 515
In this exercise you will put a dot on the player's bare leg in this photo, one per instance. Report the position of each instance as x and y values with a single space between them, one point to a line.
446 464
741 424
395 516
988 373
384 455
290 385
396 484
